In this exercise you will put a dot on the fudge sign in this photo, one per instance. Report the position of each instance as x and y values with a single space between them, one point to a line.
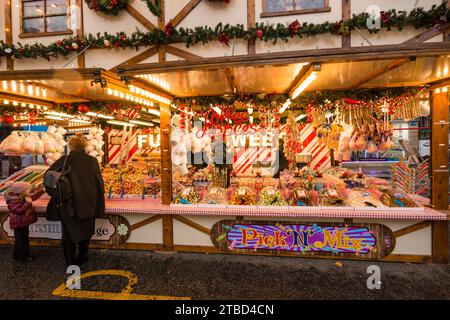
114 228
363 240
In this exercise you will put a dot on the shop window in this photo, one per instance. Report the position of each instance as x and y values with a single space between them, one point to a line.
273 8
44 18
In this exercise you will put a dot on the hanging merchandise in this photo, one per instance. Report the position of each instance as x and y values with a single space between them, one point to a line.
409 180
54 140
95 143
291 138
50 143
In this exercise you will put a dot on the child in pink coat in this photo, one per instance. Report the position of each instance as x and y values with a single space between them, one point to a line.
22 215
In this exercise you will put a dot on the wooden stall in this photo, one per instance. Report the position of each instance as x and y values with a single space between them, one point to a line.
154 99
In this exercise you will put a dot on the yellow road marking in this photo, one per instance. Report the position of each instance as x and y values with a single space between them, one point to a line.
125 294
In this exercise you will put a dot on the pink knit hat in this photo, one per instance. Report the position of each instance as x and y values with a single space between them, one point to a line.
19 187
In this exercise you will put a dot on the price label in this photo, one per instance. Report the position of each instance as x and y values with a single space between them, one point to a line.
301 194
332 192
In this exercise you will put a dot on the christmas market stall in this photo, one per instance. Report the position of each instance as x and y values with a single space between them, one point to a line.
307 139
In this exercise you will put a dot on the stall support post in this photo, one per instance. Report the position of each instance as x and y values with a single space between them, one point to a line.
166 175
8 32
440 174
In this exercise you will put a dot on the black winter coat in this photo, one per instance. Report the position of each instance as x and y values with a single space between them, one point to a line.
88 194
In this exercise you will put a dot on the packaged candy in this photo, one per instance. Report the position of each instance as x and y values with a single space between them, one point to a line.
187 196
330 198
215 195
243 196
271 196
300 198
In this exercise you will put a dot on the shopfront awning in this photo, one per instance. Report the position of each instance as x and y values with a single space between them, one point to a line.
54 86
341 69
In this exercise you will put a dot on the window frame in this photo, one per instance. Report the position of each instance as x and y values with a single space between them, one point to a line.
264 14
44 16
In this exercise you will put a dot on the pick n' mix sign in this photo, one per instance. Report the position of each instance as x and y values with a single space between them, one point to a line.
372 241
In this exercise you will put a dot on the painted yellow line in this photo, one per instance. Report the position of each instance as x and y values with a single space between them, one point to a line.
125 294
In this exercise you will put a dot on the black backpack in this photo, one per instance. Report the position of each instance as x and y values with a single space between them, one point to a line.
57 184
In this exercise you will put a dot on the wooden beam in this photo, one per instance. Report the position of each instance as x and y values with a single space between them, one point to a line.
182 54
439 83
380 71
429 34
231 80
447 30
81 59
8 33
184 12
146 222
392 257
138 58
346 15
251 21
439 150
303 74
139 17
51 74
193 224
299 76
166 161
168 233
331 55
412 228
440 242
162 26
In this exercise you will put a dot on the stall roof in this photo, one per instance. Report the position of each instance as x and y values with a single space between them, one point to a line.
342 69
333 76
62 85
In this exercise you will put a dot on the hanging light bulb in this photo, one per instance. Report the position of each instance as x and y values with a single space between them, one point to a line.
13 86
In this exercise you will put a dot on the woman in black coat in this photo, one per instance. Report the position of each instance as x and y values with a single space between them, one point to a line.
87 201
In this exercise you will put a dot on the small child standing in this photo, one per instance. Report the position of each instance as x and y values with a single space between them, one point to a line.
22 215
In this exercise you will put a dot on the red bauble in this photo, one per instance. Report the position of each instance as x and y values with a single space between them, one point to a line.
259 33
69 107
83 108
123 37
8 119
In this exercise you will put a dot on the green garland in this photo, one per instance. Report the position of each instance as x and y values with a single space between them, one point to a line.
113 7
238 102
274 101
417 18
325 97
109 7
154 8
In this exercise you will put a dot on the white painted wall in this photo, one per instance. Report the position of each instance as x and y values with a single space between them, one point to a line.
208 13
150 233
